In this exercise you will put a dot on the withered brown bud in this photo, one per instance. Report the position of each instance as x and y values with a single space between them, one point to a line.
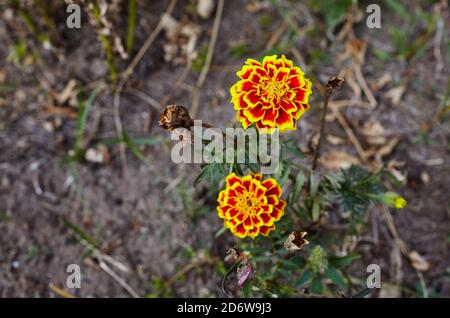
333 83
295 241
175 116
232 256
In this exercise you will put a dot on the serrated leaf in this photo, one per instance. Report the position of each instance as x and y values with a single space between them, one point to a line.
342 261
315 211
299 182
295 151
306 277
336 277
313 185
211 172
288 263
316 285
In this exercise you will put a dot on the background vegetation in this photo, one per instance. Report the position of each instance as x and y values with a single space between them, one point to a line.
84 171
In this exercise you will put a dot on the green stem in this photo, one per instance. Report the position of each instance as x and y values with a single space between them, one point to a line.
131 24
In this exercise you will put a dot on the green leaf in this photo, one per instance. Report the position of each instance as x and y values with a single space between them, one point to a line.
313 185
220 232
343 261
247 290
363 293
212 172
146 141
74 228
83 111
131 24
315 211
133 147
288 264
354 187
398 8
336 277
299 182
295 151
316 285
306 277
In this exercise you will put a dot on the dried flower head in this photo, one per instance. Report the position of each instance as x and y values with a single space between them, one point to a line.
334 83
249 205
232 256
175 116
295 241
271 94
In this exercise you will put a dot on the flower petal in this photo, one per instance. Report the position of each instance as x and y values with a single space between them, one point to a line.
240 230
251 98
270 115
243 119
286 62
252 62
231 179
264 230
221 211
272 199
267 219
275 190
254 114
288 105
253 232
245 72
284 120
282 73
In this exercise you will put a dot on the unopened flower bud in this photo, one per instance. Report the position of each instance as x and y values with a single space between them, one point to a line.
391 199
318 260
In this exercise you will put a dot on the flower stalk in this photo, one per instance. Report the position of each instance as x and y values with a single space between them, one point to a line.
333 83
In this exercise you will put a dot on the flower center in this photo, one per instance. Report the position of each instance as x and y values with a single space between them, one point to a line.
273 90
247 203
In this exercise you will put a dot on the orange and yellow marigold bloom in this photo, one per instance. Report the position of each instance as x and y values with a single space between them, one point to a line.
250 205
271 94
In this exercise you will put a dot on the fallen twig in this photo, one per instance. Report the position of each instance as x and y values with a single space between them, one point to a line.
388 219
113 274
351 135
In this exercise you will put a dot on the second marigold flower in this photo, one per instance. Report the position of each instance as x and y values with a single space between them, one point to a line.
271 94
250 205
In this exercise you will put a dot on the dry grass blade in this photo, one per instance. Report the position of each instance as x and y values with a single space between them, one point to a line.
387 216
148 43
114 275
209 56
351 135
61 292
125 75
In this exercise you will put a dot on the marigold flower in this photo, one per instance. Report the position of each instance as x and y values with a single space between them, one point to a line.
250 205
271 94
